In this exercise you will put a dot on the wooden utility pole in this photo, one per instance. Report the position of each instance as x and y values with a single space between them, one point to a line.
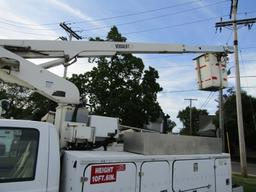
234 23
71 34
221 120
190 115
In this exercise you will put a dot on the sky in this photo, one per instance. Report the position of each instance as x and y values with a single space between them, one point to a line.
190 22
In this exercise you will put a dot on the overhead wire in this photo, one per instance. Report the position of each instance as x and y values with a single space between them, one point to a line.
196 90
28 24
137 13
178 91
26 27
156 17
207 100
171 26
23 32
250 100
143 31
23 25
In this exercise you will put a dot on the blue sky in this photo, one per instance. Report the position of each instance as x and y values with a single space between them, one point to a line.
162 21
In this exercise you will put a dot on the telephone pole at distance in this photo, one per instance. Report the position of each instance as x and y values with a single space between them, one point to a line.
190 115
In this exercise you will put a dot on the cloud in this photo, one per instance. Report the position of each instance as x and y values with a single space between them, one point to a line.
205 10
17 26
74 11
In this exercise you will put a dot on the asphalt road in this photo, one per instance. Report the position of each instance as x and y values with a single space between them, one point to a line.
250 166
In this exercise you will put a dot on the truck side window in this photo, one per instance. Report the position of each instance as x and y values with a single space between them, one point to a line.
18 154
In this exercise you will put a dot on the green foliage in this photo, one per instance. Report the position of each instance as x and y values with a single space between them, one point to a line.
18 100
249 183
230 119
24 104
168 124
40 105
120 87
184 117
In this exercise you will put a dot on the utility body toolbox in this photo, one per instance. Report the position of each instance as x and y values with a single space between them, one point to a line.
115 171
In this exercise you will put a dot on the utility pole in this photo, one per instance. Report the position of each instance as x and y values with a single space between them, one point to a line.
221 119
190 115
234 23
71 34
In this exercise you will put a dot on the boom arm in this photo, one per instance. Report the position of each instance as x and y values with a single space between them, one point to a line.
67 49
15 68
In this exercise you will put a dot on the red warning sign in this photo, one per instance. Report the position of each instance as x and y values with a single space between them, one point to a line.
105 173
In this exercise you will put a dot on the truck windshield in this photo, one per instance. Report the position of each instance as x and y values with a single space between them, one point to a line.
18 154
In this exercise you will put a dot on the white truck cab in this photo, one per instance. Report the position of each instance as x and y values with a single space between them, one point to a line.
31 160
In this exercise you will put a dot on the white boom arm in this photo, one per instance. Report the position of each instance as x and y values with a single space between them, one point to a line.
16 69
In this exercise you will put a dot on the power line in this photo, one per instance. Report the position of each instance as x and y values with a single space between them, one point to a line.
208 99
245 76
170 66
167 27
70 31
156 17
27 24
196 90
171 26
26 27
250 99
179 91
23 32
248 48
108 18
210 94
142 31
134 14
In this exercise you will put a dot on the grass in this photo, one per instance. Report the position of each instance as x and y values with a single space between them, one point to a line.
248 183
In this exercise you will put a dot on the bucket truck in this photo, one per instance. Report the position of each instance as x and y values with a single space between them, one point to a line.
39 156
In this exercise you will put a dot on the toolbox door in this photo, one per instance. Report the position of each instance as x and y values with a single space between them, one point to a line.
155 176
223 175
193 175
114 177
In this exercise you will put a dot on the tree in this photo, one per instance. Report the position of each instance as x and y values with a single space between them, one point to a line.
120 87
184 117
17 97
39 106
25 104
168 124
230 119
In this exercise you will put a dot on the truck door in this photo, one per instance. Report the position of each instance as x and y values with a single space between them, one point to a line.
155 176
24 157
114 177
223 175
193 175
